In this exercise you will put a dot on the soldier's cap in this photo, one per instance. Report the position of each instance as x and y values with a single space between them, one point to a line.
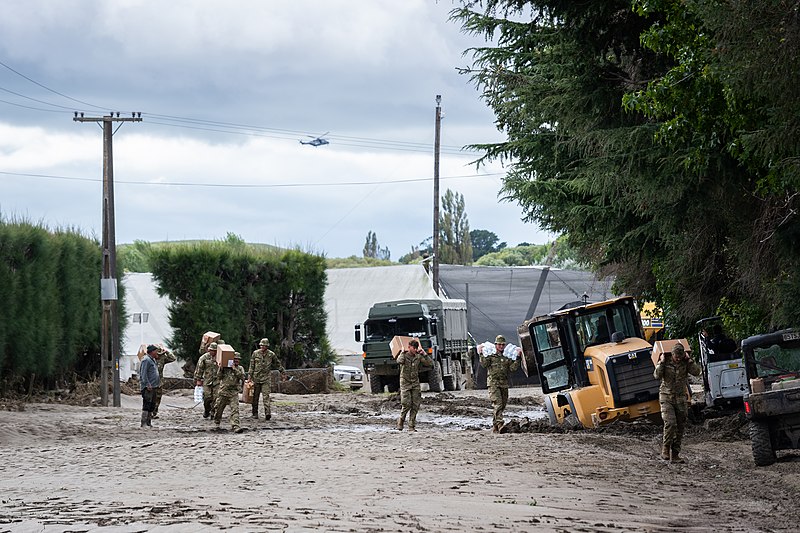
237 355
151 348
500 340
212 346
263 342
678 349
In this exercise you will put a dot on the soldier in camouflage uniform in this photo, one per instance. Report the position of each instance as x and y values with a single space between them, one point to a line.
206 375
229 383
673 371
410 393
262 363
164 357
498 368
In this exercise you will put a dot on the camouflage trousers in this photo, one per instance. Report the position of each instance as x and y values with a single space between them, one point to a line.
261 389
674 413
231 401
208 399
499 397
410 400
159 391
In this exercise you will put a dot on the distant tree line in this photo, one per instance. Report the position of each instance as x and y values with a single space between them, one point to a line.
662 137
245 294
51 310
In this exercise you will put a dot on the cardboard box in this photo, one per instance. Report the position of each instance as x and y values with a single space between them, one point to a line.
225 354
208 338
665 347
247 392
399 344
756 385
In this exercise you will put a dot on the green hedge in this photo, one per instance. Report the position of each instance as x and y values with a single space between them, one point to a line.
245 294
50 316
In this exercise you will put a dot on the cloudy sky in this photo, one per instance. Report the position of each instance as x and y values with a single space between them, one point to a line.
226 91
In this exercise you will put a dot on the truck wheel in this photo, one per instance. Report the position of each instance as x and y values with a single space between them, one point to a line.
393 384
449 382
435 381
763 454
376 384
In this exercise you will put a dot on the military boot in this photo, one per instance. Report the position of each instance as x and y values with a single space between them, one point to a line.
676 457
665 452
496 427
144 419
149 418
400 424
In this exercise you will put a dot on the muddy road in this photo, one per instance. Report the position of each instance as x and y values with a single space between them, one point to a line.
334 463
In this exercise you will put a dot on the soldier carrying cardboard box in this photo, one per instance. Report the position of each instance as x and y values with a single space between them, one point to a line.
206 375
230 380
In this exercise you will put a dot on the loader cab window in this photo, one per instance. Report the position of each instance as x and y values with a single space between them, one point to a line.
597 328
551 359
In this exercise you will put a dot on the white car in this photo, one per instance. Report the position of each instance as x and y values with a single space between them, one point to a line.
349 375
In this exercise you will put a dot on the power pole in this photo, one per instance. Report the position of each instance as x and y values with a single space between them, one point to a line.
109 343
436 142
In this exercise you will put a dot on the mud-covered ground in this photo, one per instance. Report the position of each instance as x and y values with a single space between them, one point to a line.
334 463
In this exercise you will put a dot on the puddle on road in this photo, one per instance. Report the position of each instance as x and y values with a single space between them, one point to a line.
446 422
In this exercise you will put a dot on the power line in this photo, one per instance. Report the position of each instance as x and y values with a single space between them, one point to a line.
249 185
234 128
48 88
294 137
34 99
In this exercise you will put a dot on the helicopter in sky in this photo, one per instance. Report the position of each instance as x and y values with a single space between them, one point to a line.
317 141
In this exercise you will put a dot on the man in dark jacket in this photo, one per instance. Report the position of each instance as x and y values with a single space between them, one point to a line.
149 381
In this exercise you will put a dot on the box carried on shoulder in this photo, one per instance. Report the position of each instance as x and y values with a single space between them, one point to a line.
208 338
400 344
225 353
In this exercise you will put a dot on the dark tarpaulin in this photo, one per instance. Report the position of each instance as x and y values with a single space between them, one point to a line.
500 297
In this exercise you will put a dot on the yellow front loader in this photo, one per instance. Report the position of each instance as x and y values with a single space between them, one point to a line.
593 362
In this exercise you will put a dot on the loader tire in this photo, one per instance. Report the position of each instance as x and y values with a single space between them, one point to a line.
760 439
435 381
376 384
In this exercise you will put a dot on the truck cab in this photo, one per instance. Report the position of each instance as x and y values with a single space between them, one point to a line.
440 326
593 363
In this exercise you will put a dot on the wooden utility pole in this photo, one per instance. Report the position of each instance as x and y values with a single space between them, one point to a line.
436 142
109 343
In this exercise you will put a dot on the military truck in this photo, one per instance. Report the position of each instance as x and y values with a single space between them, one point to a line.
593 362
772 403
440 326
